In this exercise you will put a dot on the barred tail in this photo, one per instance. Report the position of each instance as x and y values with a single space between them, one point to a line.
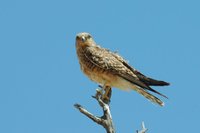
149 96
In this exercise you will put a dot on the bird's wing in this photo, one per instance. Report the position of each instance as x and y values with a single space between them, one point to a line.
109 61
148 81
142 78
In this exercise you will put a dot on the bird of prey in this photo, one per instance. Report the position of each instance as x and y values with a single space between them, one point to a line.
110 70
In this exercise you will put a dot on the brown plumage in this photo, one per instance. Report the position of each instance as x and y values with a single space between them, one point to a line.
110 69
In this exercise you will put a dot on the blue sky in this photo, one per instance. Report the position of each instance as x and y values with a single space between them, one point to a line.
40 79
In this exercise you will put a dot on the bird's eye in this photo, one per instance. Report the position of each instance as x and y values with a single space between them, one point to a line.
89 37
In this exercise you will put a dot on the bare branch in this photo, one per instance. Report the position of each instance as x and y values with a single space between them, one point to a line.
103 97
143 129
88 114
103 100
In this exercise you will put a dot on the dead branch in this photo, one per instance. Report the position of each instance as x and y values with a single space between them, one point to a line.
143 129
103 97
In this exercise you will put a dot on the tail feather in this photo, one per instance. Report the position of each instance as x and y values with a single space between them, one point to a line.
150 89
153 82
149 96
149 81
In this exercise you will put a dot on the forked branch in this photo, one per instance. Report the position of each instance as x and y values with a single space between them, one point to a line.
103 97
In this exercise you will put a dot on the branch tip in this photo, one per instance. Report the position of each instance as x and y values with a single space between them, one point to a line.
77 106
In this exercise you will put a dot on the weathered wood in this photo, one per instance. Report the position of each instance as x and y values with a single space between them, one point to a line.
143 130
103 97
103 100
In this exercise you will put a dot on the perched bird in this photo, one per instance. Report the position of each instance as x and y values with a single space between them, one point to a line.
110 70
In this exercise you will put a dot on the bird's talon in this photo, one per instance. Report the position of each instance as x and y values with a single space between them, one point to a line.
105 99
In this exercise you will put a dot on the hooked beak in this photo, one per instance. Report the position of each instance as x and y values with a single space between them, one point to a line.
83 39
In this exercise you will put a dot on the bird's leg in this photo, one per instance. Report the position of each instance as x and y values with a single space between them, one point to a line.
101 90
107 94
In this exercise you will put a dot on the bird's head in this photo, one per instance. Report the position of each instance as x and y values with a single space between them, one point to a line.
84 39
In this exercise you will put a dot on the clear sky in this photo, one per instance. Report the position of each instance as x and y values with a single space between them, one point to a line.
40 78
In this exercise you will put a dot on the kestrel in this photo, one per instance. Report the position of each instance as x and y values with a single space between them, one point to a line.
110 70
